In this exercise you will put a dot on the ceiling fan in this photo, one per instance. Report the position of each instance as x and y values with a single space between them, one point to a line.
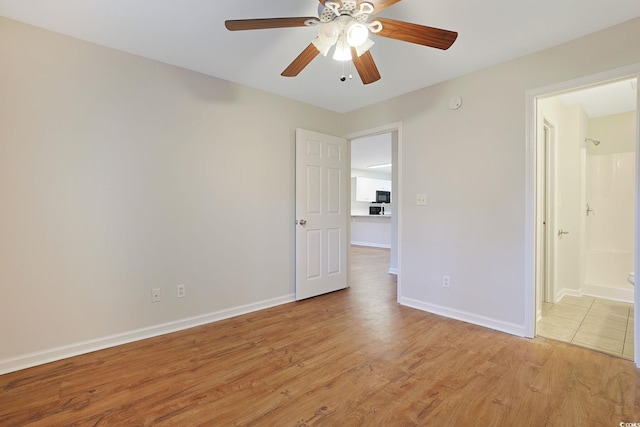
345 26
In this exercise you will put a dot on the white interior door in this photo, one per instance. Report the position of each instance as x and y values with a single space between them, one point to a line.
322 172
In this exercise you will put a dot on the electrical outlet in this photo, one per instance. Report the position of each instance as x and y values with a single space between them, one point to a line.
155 295
445 281
180 291
421 199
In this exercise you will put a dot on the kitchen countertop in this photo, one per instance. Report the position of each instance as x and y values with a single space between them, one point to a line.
371 216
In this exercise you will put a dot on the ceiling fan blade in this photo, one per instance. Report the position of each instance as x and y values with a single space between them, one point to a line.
365 66
378 5
260 24
301 61
419 34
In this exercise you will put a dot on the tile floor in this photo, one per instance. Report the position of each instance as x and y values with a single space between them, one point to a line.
595 323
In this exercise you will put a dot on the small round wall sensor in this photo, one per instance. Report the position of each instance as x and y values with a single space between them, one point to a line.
455 102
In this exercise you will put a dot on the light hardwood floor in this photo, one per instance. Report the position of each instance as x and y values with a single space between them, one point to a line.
353 357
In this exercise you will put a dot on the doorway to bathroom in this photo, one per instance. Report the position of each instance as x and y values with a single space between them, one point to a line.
585 216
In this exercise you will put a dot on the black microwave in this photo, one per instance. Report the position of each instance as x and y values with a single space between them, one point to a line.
383 196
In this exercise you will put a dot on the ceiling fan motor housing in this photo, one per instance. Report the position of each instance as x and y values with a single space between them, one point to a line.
348 7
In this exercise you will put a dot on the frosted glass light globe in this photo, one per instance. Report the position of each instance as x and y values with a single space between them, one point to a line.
357 34
343 51
328 32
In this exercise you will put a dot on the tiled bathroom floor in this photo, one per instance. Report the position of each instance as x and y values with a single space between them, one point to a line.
595 323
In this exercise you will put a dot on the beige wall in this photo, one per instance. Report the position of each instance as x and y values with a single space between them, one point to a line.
119 174
471 164
597 253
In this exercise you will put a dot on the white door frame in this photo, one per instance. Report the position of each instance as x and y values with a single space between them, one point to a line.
531 97
397 166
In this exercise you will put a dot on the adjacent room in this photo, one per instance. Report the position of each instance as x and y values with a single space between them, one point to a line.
587 179
372 193
151 181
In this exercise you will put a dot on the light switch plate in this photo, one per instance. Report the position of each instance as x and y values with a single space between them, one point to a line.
421 199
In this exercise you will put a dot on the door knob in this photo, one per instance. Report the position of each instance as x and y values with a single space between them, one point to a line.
303 222
561 232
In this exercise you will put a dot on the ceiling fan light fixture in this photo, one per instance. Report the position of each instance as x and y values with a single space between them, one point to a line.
328 32
342 51
364 47
322 47
357 34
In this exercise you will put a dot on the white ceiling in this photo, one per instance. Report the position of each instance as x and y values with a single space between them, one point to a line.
371 151
606 99
191 34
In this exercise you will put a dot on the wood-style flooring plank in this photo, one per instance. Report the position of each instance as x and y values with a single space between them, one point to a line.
349 358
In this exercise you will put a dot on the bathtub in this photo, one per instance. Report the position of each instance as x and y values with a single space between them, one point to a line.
606 273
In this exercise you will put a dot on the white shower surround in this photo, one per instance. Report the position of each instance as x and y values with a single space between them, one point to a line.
609 241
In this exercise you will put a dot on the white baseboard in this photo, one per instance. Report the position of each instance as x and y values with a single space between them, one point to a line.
607 292
486 322
372 245
568 292
58 353
599 291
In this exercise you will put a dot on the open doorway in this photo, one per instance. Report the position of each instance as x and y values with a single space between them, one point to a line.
375 190
392 132
585 216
